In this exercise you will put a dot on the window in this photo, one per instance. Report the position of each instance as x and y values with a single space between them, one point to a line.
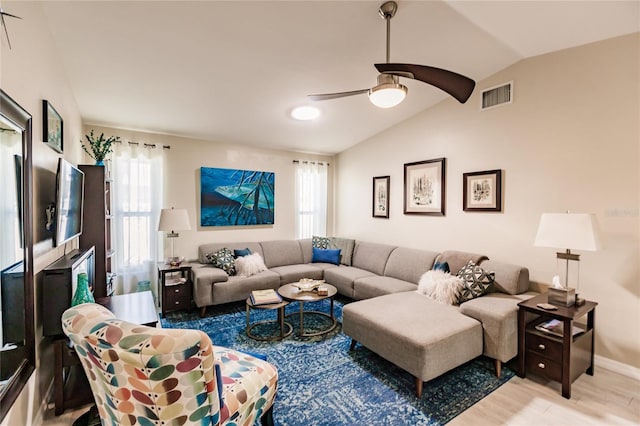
311 198
137 186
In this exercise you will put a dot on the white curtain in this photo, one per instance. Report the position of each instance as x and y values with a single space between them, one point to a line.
137 174
311 198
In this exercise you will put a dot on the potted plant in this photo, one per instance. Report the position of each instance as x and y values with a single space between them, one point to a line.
99 147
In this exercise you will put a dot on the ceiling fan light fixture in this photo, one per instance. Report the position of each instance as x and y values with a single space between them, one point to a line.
388 93
305 113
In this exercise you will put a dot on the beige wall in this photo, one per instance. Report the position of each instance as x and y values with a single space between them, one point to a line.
569 141
182 185
31 72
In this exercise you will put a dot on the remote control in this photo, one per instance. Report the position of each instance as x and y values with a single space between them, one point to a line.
547 306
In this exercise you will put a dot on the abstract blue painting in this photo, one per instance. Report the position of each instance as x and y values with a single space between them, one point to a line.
231 197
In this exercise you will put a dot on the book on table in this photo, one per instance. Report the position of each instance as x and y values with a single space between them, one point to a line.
556 327
265 297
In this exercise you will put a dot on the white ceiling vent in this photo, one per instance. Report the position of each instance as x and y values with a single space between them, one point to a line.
497 96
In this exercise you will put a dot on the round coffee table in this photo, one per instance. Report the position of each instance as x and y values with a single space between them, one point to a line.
293 294
280 320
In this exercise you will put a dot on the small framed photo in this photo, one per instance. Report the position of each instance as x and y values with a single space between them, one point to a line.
52 130
381 196
482 191
424 187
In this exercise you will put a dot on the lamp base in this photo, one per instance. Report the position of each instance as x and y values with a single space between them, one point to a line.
580 301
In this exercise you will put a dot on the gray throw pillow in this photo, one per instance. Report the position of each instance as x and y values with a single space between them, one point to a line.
346 248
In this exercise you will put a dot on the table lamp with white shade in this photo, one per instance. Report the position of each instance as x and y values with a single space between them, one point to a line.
172 220
568 231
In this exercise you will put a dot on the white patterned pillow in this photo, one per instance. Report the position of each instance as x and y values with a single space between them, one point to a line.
476 281
223 259
250 265
441 286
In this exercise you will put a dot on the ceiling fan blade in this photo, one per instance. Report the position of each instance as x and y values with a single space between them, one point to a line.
457 85
328 96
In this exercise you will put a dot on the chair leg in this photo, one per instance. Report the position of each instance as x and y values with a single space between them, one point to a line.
203 311
353 344
419 387
498 367
267 417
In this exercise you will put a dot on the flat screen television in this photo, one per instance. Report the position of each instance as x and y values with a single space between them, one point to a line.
69 202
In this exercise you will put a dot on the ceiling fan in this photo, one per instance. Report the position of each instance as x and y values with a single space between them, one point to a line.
388 92
4 25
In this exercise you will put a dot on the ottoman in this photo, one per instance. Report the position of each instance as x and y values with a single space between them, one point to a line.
419 335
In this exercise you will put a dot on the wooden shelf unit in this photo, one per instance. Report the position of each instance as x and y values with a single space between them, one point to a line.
97 226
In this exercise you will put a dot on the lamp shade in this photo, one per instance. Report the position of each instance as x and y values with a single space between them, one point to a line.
576 231
174 220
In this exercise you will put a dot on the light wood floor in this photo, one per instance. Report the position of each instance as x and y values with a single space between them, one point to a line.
607 398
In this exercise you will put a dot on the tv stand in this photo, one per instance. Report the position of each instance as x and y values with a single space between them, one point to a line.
58 284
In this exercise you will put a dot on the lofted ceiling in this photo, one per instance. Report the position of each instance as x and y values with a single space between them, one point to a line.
231 71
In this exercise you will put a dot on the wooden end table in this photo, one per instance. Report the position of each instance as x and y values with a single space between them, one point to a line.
561 358
175 287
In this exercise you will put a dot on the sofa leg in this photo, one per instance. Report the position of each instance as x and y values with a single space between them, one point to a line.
419 387
203 311
353 344
498 367
267 417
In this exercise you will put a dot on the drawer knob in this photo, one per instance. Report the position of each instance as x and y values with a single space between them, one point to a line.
542 347
177 303
177 290
541 365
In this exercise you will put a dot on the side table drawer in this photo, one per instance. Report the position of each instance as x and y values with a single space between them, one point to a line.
177 297
544 366
546 347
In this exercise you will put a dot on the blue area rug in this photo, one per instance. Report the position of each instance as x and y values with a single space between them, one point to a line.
322 383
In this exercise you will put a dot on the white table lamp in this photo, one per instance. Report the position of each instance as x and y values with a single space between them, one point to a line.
569 231
172 220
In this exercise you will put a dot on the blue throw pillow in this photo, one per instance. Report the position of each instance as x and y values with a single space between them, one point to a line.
241 253
441 266
326 256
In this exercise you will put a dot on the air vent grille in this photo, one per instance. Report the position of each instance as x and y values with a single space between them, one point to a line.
497 96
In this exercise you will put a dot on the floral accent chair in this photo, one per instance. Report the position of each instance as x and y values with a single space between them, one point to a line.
150 376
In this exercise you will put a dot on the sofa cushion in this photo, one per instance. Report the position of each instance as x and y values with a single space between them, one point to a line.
409 264
510 279
476 281
458 259
326 256
374 286
224 260
422 336
498 314
371 257
342 277
237 288
281 252
293 273
204 249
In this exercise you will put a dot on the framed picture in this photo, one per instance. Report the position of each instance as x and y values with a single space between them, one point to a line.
232 197
424 187
52 133
381 196
482 191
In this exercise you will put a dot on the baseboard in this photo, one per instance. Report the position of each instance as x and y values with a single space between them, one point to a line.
617 367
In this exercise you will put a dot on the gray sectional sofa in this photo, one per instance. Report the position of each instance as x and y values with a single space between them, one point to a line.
422 336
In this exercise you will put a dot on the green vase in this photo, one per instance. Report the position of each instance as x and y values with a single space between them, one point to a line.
99 162
83 292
